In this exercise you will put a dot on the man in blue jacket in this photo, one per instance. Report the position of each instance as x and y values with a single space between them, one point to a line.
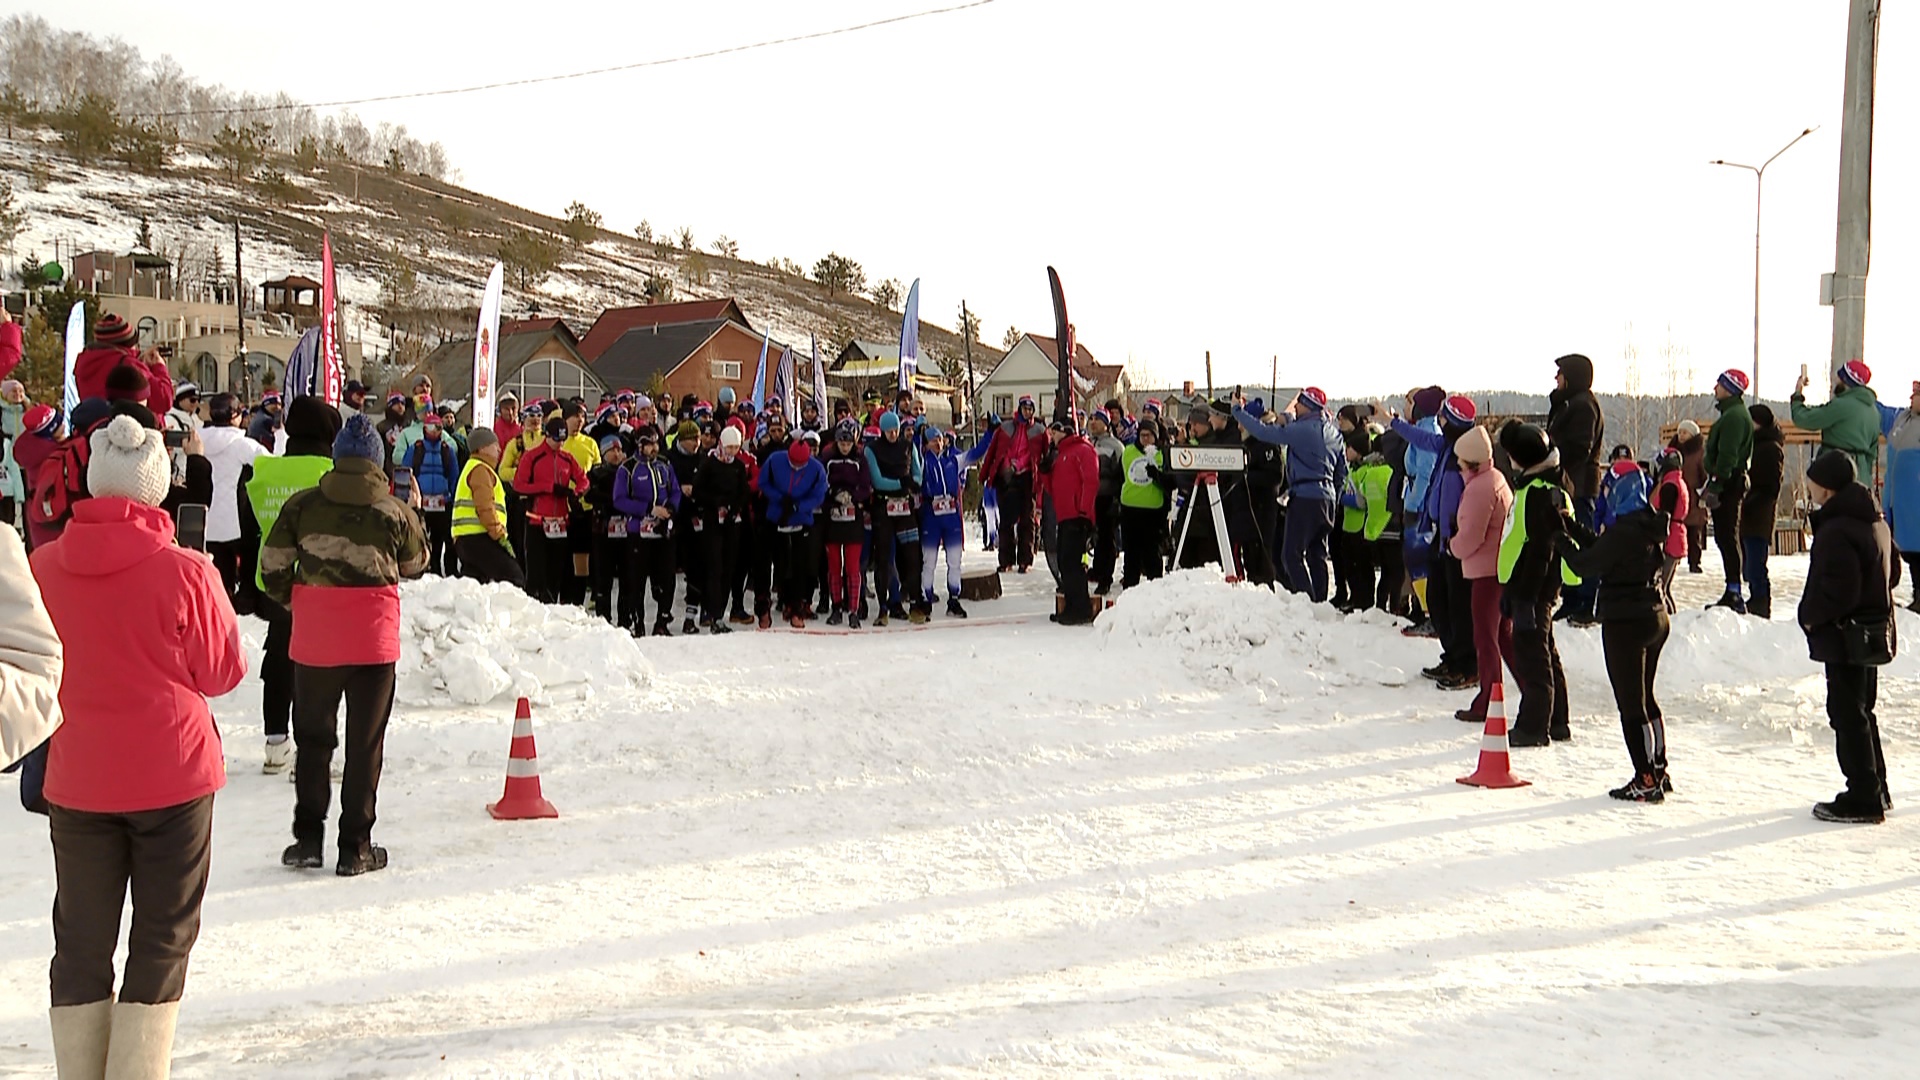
1316 471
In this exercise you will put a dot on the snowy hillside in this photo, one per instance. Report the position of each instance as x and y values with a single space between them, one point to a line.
1217 835
448 236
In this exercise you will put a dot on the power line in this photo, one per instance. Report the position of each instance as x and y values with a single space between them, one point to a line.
709 54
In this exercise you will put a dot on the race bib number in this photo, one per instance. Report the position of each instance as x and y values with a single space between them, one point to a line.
946 504
788 528
651 528
844 513
899 507
723 515
617 528
699 525
433 502
554 528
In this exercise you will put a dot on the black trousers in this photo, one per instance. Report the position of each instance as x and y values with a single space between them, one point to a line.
646 565
1016 522
163 856
1264 565
276 669
1853 691
1360 569
721 561
1071 538
1726 526
889 550
1306 547
516 527
760 551
607 556
1143 531
1451 602
237 561
549 565
1536 665
485 560
438 525
368 689
573 587
1106 538
1391 559
1632 647
794 559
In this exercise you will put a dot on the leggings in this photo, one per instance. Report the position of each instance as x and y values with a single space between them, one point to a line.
843 576
1492 638
1632 648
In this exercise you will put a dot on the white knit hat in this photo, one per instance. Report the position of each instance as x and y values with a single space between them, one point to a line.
129 461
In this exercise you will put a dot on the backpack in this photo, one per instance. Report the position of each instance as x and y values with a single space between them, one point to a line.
62 480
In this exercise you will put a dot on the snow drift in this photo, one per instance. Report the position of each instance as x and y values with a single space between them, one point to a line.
468 644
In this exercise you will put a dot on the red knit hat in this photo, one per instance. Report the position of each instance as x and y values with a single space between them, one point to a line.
1855 373
1734 380
1315 397
111 329
1459 411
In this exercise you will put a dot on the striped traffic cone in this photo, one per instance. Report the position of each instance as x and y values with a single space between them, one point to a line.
1496 764
522 799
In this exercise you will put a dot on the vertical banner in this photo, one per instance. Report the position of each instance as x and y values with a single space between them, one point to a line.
786 387
1063 338
303 375
331 378
910 337
486 349
76 340
760 375
820 385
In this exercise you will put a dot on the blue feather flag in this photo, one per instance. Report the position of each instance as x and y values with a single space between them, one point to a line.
910 338
760 376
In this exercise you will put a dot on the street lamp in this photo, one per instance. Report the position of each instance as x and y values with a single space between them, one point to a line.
1759 174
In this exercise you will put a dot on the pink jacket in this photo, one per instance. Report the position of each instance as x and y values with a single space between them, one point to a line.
1484 506
149 636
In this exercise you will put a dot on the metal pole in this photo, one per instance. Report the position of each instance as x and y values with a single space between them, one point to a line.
1273 388
240 315
1852 235
1209 375
966 331
1759 178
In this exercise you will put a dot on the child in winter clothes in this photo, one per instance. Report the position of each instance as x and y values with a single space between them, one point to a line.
1530 579
848 491
1846 612
1672 498
1627 560
1484 502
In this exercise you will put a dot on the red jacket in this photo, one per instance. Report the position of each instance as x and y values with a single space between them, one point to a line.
149 637
10 339
1075 479
90 375
507 428
540 469
1016 447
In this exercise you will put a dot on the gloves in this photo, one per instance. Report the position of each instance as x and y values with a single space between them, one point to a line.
993 420
1257 408
561 489
1710 500
1153 474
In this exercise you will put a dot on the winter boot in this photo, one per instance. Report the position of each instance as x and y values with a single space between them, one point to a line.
141 1044
689 628
361 860
1730 599
766 620
279 755
1760 609
740 617
660 629
895 611
80 1039
1459 681
1518 738
954 610
797 621
1468 716
1848 813
881 619
1436 672
720 628
853 621
1644 787
836 617
918 614
303 855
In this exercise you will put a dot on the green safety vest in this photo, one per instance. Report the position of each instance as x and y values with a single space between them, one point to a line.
466 516
275 480
1135 489
1376 482
1516 538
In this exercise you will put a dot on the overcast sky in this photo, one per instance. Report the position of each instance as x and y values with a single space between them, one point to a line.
1381 194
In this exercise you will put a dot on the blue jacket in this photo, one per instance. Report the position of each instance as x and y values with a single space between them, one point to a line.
1442 503
641 485
1900 493
436 474
792 494
1316 454
1420 465
946 473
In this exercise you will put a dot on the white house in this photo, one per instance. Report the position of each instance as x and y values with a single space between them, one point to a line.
1030 368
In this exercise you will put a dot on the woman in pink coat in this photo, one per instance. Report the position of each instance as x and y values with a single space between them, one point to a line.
131 774
1482 523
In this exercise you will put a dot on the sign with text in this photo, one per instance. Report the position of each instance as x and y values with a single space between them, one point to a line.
1208 458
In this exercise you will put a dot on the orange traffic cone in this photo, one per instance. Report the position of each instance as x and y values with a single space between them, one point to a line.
1496 764
522 798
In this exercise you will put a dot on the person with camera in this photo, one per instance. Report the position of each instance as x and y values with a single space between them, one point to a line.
1846 613
335 557
131 775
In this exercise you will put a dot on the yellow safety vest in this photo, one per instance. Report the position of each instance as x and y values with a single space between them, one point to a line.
466 515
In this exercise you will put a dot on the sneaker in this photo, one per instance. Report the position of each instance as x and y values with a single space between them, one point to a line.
1642 788
1848 814
766 620
896 612
279 756
918 615
303 855
1461 681
689 628
1695 570
954 609
1436 672
660 629
1666 782
836 618
720 628
1760 609
882 620
740 618
1561 734
853 621
1422 629
1468 716
1731 600
365 860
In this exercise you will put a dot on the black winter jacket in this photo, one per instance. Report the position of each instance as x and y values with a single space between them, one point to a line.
1625 561
1576 427
1849 571
1762 502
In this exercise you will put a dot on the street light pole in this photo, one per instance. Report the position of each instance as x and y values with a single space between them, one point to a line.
1759 175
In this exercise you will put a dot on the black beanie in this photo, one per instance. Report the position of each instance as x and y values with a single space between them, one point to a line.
126 382
1833 470
311 418
1525 444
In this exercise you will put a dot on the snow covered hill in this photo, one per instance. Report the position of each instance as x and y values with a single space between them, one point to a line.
1216 835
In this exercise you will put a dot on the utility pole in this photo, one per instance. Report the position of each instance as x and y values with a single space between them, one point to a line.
1846 288
1209 375
1273 389
966 332
240 314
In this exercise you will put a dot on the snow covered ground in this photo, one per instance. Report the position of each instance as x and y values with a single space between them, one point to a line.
1216 835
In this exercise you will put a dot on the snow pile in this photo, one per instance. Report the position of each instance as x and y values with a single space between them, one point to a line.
472 643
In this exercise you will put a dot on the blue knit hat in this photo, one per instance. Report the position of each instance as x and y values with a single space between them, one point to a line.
726 395
889 421
358 439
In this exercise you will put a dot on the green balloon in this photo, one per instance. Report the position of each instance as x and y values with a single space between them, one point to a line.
53 273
